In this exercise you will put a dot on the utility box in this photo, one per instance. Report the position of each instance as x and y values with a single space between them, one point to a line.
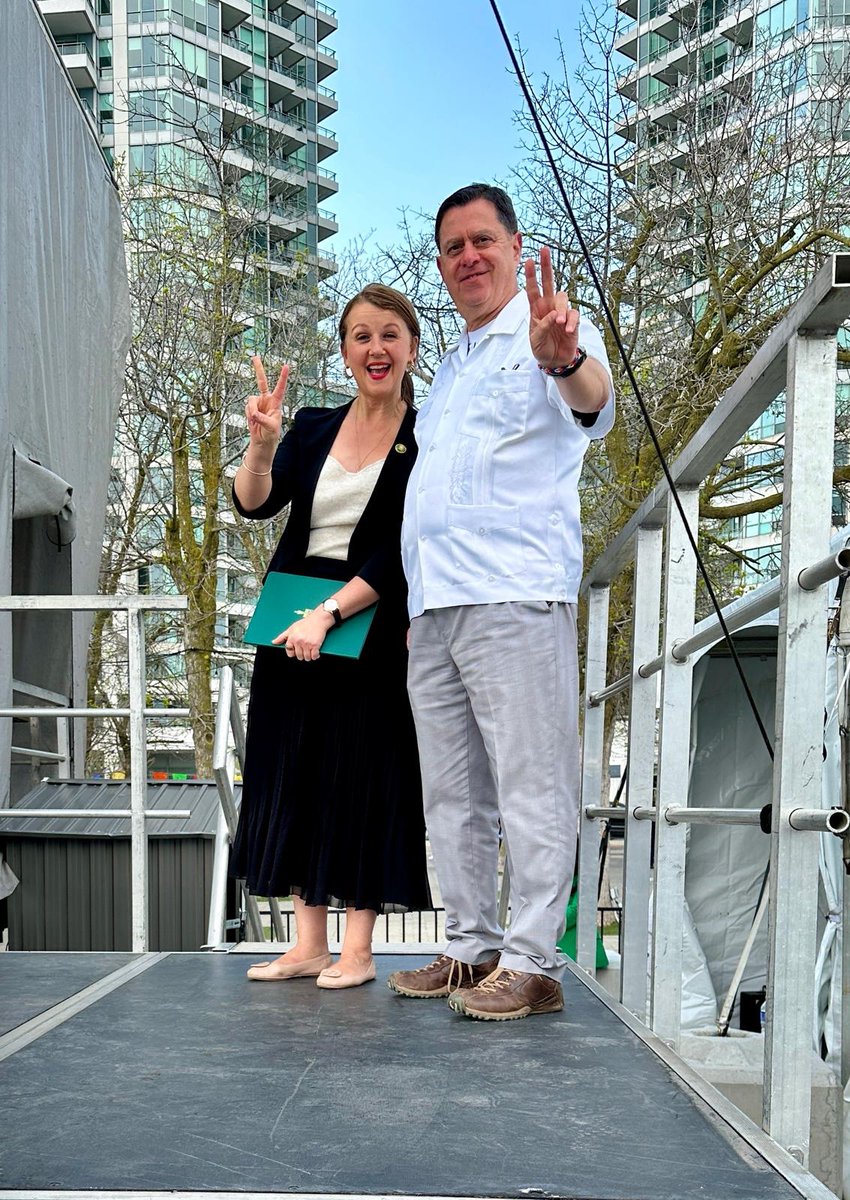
75 879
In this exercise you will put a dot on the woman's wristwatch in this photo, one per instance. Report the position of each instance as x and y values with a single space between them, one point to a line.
331 606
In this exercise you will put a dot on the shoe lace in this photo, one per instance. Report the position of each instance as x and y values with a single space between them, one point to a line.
439 961
500 981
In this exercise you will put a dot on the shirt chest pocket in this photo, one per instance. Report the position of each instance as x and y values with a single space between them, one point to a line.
498 407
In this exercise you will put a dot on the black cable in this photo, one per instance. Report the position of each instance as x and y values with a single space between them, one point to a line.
615 333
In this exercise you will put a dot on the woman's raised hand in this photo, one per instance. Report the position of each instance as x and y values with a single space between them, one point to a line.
263 411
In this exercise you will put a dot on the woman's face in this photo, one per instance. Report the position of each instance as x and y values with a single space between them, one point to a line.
378 347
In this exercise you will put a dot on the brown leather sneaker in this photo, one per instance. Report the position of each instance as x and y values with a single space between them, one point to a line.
442 977
509 995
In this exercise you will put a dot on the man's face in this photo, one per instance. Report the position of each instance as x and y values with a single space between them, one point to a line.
478 261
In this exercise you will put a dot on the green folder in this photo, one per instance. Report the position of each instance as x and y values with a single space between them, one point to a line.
285 598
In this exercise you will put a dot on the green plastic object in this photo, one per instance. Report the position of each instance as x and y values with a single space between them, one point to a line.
285 598
567 942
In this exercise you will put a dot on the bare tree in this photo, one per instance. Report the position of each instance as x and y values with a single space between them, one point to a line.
208 288
704 217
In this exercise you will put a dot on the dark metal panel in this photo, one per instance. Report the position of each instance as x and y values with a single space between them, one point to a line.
32 983
56 898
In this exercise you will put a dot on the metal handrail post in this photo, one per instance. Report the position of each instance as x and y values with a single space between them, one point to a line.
642 714
227 719
216 924
674 743
138 780
800 683
593 777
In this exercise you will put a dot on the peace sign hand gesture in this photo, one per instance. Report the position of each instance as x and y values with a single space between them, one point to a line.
263 411
553 331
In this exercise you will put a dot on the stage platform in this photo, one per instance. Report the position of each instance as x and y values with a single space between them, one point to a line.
156 1074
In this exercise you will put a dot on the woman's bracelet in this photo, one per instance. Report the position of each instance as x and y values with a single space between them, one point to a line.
251 470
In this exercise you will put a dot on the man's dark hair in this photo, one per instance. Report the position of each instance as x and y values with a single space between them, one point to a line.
500 200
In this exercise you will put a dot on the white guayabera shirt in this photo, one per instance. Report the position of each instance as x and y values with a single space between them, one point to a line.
492 511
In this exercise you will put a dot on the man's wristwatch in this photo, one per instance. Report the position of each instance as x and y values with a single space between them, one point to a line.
571 367
331 606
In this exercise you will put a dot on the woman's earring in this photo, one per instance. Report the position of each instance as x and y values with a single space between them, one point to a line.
348 371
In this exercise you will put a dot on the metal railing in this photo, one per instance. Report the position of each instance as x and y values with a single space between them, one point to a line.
136 710
228 723
799 356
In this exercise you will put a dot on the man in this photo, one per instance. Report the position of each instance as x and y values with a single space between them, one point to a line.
492 553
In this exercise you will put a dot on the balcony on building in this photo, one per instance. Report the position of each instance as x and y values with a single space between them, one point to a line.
281 43
326 143
233 13
629 7
79 63
287 87
326 224
326 183
290 136
326 62
287 216
67 17
738 26
626 42
326 102
326 21
236 109
235 58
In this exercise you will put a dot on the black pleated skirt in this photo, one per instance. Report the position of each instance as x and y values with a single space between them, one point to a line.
331 795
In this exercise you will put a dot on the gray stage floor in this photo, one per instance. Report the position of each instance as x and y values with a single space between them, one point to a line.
186 1077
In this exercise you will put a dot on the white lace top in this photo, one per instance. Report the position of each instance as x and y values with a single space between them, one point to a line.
338 505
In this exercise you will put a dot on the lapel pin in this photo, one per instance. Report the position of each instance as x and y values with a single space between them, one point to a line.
400 448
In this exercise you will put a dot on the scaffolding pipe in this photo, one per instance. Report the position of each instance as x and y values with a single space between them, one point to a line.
56 711
830 820
740 614
811 578
817 820
601 812
165 814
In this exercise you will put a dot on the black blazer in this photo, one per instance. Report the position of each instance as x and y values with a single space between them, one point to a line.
374 552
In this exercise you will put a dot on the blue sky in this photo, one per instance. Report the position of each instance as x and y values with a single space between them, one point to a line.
426 101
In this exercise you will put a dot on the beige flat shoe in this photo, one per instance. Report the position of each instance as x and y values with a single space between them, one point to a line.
272 972
333 977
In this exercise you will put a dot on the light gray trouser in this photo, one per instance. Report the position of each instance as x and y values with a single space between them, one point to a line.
494 691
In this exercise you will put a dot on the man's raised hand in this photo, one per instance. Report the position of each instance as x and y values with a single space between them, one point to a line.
553 331
263 411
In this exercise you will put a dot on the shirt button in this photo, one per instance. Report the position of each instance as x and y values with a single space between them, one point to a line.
420 490
423 538
483 531
554 518
431 449
491 578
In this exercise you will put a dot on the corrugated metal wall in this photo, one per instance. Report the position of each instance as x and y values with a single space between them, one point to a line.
74 893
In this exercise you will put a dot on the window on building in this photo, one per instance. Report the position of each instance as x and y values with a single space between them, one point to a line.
106 113
831 12
781 21
759 523
714 59
763 563
771 421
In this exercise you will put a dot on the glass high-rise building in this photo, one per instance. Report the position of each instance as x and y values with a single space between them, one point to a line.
260 66
769 78
252 76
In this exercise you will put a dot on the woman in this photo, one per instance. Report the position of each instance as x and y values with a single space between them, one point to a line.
331 797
